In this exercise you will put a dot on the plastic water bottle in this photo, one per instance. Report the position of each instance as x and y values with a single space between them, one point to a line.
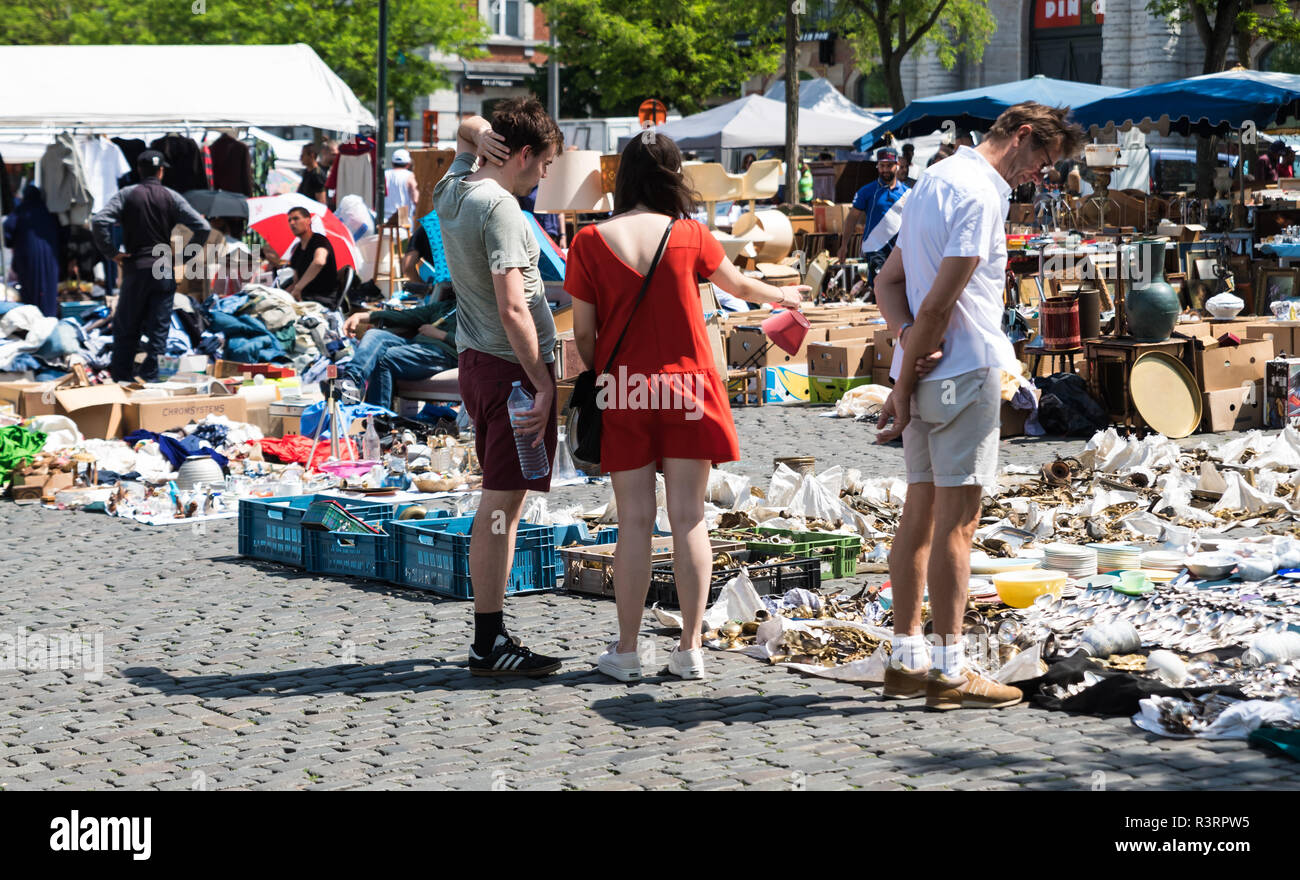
532 459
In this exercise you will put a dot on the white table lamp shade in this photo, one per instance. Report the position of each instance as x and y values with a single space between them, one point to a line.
572 184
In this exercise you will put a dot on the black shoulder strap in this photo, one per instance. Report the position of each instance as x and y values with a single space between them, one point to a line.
645 285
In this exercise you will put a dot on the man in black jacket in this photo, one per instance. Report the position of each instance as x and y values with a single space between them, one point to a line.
147 212
402 344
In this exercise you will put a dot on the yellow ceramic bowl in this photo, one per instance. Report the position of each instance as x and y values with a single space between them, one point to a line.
1019 589
1159 576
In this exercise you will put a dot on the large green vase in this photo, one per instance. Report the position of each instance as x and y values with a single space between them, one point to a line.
1151 303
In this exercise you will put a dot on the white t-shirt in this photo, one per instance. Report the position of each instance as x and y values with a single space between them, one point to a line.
104 164
957 209
397 180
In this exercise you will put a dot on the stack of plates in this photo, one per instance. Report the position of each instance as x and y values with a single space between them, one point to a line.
1168 560
1080 563
1113 557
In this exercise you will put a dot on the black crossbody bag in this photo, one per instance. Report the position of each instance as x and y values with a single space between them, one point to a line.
583 411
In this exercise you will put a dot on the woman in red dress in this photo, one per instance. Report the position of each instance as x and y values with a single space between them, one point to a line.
664 406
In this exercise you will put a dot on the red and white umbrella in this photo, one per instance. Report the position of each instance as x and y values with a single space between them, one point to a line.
268 217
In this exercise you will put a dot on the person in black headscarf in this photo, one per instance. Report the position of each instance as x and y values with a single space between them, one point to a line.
33 233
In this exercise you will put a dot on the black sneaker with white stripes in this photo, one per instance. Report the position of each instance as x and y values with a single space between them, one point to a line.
509 657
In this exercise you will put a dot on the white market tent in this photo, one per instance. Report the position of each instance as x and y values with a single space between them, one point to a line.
56 87
755 122
821 96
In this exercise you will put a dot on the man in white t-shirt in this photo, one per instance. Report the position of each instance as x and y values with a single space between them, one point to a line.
941 291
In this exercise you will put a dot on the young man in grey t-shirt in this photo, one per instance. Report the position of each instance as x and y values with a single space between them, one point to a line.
505 334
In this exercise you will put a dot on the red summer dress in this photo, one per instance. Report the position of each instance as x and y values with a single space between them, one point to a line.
667 399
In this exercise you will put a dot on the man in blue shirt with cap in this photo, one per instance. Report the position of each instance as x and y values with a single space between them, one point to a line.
873 203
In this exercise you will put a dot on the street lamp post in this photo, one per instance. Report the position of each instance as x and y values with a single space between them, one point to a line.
381 114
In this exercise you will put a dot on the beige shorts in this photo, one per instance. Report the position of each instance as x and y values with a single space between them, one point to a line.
952 438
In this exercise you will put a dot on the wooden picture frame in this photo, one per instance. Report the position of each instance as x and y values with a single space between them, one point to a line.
1192 250
1243 280
1178 281
1272 284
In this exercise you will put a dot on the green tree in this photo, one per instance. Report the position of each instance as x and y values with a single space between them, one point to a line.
345 33
1221 24
683 52
883 32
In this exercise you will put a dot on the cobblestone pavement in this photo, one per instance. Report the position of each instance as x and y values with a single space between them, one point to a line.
223 673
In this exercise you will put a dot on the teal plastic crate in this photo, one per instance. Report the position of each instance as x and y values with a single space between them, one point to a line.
350 553
434 555
271 528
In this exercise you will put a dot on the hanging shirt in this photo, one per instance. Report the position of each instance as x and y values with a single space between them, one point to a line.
232 166
105 165
62 177
186 161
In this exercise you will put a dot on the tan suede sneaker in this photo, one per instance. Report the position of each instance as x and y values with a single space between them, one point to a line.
967 690
902 683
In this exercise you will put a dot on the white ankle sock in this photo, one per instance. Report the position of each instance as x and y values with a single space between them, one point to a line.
950 659
911 651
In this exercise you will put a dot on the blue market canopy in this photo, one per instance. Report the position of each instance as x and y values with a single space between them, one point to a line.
978 108
1211 104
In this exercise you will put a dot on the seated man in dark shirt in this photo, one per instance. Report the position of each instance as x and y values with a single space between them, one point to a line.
315 274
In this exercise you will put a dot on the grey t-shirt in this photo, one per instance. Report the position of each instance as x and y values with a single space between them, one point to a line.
484 230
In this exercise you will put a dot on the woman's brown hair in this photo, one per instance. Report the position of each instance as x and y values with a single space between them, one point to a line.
650 174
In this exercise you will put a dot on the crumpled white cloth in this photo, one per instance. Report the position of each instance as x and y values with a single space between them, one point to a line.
1236 722
22 330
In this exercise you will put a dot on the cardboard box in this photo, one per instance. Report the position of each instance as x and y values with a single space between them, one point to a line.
1221 367
1233 409
30 488
169 413
1285 335
1013 420
97 409
1282 393
830 218
785 384
882 344
880 376
29 399
842 359
568 363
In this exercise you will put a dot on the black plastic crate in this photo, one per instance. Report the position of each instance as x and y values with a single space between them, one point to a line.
769 578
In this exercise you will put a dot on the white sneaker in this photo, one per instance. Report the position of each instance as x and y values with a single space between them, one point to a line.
686 664
624 667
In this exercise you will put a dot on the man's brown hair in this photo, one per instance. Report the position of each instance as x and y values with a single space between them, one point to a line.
524 122
1050 125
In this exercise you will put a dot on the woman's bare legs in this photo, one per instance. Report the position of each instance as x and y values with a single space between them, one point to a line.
686 480
634 495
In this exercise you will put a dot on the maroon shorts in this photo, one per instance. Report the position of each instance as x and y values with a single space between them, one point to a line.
485 384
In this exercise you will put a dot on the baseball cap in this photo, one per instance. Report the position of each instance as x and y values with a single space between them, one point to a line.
401 157
886 154
151 159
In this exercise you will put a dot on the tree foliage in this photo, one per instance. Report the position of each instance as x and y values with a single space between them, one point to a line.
883 32
1221 23
345 33
683 52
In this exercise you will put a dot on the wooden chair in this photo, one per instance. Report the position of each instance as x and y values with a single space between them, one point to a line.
392 229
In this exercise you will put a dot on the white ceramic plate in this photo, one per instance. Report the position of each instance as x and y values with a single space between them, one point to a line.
990 565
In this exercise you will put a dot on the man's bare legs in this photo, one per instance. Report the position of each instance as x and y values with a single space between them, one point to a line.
492 546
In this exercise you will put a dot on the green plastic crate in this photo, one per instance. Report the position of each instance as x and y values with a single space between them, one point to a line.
829 389
843 549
